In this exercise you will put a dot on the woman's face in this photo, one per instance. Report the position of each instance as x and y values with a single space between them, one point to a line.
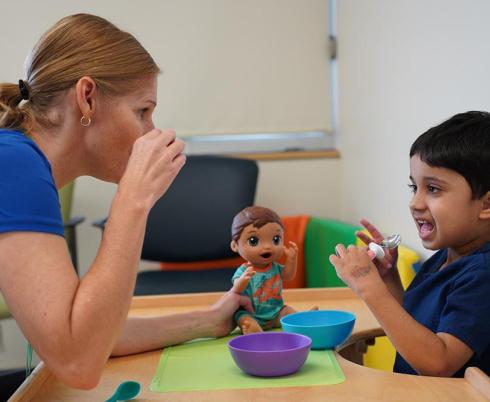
117 123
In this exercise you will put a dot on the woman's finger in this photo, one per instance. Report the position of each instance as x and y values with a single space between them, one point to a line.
246 303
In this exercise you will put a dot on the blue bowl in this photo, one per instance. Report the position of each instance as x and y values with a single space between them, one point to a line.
326 328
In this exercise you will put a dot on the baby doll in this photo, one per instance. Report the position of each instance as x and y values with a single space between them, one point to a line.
257 235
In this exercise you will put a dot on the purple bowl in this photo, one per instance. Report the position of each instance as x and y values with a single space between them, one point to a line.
270 354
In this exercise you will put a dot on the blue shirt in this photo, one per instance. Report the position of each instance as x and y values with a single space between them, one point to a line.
455 300
28 196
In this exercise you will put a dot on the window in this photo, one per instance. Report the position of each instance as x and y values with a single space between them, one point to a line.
245 76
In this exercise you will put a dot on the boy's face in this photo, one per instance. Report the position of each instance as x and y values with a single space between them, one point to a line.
443 210
260 246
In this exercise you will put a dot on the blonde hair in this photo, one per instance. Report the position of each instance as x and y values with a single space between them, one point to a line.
76 46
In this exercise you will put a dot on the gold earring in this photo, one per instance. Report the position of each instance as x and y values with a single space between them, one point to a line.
85 121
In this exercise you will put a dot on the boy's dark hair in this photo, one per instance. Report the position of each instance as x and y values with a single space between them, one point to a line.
257 216
462 144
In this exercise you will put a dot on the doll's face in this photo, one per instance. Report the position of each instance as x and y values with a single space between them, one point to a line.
260 246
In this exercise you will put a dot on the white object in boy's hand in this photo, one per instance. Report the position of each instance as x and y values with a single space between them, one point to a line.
375 251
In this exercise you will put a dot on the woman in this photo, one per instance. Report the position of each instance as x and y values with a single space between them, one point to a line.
85 108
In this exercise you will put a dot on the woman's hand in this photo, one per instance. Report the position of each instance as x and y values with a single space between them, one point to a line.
155 161
223 310
388 263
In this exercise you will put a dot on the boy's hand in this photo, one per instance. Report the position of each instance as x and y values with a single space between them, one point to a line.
291 252
355 268
385 265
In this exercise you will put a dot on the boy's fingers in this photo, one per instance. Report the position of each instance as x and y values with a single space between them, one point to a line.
364 238
377 236
340 250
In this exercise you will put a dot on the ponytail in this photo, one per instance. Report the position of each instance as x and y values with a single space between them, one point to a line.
12 113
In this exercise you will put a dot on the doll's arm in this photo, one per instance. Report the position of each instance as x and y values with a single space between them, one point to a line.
291 261
241 283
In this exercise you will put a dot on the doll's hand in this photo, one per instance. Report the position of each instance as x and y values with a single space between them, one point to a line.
291 252
385 265
241 283
291 261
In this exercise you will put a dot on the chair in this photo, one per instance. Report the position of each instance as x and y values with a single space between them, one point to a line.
192 223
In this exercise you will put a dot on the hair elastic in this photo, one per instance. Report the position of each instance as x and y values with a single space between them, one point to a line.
24 91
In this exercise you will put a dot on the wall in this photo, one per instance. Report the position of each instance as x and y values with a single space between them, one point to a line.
404 66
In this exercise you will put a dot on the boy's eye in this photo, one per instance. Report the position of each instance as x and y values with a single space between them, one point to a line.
253 241
413 188
276 240
143 112
432 189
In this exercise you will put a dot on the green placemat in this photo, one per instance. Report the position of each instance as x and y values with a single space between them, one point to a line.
207 365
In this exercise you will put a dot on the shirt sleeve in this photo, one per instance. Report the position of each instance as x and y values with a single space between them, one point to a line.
466 312
28 196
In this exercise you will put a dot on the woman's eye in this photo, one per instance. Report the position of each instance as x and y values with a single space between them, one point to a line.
276 240
432 189
253 241
413 188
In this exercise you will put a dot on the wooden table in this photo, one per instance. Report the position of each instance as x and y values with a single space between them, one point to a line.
362 384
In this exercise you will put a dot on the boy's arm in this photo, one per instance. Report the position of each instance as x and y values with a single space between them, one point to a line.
291 261
428 353
394 284
241 283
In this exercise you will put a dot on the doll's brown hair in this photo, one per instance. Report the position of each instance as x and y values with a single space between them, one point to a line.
256 216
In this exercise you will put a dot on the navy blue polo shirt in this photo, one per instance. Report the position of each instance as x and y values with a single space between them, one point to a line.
455 300
28 196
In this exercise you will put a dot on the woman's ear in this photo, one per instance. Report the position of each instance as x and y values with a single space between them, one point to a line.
234 246
86 93
485 211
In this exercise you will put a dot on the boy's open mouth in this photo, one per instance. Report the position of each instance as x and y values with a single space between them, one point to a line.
425 228
266 255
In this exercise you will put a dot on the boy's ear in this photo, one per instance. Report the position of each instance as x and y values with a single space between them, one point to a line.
234 246
485 211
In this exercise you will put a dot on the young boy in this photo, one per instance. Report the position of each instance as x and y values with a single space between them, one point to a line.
440 325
